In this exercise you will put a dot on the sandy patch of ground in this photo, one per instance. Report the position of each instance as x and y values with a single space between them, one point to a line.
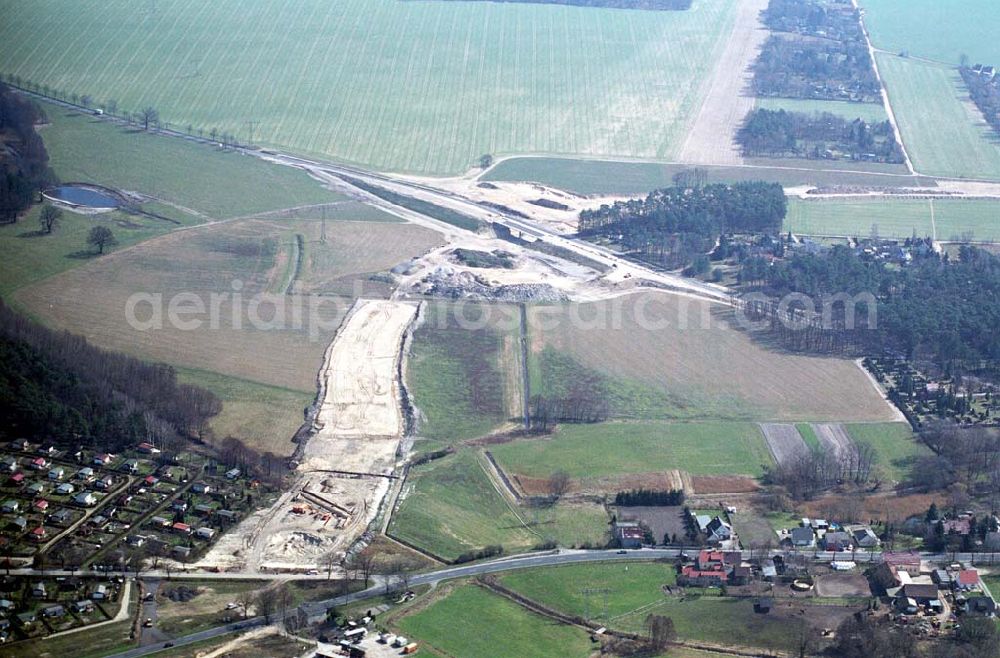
784 442
349 459
837 585
711 139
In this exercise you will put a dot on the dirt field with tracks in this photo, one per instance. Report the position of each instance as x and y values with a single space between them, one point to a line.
784 442
711 139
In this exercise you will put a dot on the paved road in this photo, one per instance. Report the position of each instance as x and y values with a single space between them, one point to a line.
317 609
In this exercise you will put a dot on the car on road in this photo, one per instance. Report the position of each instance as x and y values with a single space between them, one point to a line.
312 572
148 623
623 552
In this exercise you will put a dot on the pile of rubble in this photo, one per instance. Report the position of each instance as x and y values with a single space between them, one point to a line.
450 284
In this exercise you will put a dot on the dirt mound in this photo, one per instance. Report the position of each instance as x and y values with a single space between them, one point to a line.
181 594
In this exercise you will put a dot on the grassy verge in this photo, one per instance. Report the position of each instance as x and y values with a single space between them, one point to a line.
808 435
491 626
211 181
589 451
870 112
440 213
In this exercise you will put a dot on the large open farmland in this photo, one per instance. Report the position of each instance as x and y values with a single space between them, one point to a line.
639 178
944 133
943 219
408 86
471 621
942 31
690 352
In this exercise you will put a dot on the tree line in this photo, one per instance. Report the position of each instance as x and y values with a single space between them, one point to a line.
673 225
649 498
779 133
985 94
931 311
827 70
24 161
55 386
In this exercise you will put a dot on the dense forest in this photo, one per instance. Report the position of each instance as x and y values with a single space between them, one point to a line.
23 159
672 226
55 386
816 69
985 94
656 5
778 133
932 311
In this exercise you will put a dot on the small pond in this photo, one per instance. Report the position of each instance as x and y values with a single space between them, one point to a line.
79 195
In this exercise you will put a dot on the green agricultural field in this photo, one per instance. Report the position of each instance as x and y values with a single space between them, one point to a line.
459 377
895 444
944 132
808 435
639 178
409 86
611 449
490 625
945 219
870 112
943 31
450 506
633 586
214 183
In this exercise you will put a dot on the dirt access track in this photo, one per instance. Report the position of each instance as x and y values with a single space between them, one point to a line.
346 465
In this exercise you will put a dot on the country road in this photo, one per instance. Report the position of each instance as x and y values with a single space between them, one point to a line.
317 610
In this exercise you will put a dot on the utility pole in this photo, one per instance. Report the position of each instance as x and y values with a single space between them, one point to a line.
587 592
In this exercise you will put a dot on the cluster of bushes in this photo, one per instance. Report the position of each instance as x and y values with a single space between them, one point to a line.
816 70
497 259
649 498
481 554
817 136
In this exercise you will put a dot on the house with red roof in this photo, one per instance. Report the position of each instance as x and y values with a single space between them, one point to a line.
709 569
966 579
38 534
181 528
41 504
17 478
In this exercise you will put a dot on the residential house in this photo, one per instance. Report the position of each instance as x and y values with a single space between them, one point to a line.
151 480
205 533
131 466
966 579
85 499
160 521
135 540
147 448
718 531
65 489
959 526
181 528
629 534
920 592
81 607
201 488
104 483
100 593
6 606
232 474
863 536
226 515
802 537
942 578
980 605
19 523
57 473
708 570
8 464
36 488
62 517
103 459
16 479
181 551
38 590
54 611
41 504
837 541
203 510
20 445
40 463
179 506
10 506
85 474
39 534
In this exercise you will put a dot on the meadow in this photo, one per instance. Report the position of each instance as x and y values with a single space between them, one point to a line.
870 112
694 356
943 131
406 86
589 452
194 178
450 506
945 219
895 444
490 626
936 30
639 178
